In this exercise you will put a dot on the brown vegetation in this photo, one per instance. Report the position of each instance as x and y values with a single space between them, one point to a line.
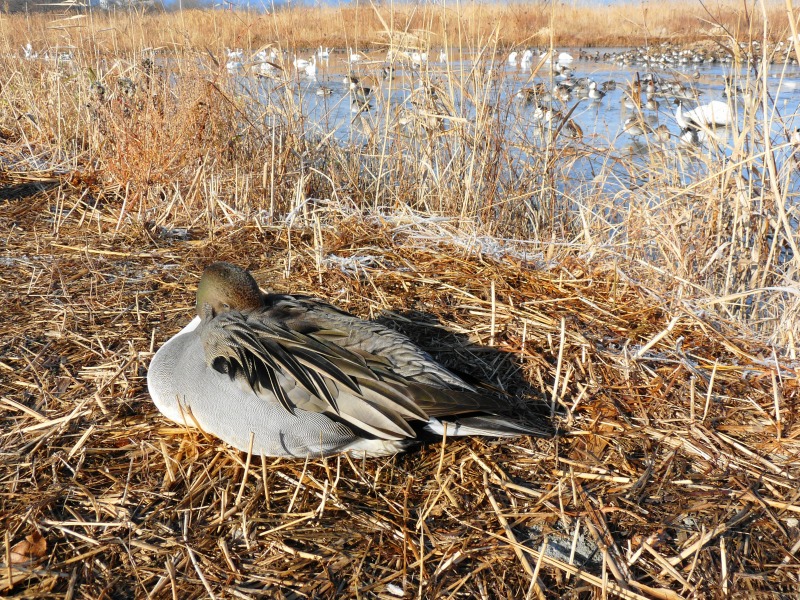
478 24
653 308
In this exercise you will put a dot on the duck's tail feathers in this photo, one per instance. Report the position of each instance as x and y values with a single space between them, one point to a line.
488 425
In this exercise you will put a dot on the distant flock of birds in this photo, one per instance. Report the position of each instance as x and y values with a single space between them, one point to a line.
63 56
696 125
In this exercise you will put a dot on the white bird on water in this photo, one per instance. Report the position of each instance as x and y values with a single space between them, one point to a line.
311 68
713 114
354 56
512 58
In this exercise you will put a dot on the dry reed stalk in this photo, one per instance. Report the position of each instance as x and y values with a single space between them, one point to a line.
427 26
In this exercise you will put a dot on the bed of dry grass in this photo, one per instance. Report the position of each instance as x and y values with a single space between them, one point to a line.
657 320
678 461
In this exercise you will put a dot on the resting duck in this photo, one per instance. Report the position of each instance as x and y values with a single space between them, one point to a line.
304 378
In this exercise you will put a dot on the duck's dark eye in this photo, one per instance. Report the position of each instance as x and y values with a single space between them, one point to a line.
226 306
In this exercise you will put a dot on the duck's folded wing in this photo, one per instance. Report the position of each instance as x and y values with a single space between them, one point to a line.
383 349
289 367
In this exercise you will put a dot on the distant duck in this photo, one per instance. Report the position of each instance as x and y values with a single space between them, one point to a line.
562 93
359 105
562 70
594 93
608 86
635 126
512 58
529 95
662 133
573 130
360 88
692 137
651 104
324 90
443 56
324 54
631 102
544 115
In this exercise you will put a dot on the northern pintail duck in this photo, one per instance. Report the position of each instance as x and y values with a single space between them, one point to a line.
296 376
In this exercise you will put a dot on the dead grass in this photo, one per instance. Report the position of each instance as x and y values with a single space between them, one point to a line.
364 27
679 457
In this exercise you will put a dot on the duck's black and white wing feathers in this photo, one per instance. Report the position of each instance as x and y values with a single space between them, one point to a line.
309 356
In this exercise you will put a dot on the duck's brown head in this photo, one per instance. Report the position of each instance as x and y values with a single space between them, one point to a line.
225 287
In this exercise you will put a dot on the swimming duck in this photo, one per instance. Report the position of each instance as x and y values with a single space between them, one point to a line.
593 93
304 378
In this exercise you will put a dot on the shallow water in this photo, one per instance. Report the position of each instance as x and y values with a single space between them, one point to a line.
469 87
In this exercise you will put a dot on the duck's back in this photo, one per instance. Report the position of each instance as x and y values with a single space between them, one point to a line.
315 317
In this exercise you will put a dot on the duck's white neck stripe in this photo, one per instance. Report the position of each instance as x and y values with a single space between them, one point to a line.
191 326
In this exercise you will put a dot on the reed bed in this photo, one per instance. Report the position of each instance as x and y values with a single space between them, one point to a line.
653 316
365 26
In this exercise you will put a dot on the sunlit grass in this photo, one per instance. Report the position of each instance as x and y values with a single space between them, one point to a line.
186 145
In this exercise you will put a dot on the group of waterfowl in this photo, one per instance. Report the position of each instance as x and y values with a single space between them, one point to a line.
59 56
669 55
643 99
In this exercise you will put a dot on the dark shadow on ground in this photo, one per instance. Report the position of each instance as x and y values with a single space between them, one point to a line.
27 189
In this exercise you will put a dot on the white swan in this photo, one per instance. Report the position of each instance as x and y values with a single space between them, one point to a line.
311 68
354 56
713 114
